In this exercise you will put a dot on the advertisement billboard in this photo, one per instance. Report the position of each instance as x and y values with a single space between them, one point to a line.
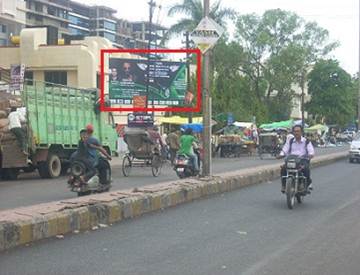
128 80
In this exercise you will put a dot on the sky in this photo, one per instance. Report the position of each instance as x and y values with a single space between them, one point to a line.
340 18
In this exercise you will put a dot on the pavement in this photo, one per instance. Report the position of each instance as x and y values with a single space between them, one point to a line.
29 189
249 231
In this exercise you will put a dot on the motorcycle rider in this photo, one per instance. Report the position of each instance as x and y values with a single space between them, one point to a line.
82 155
186 147
301 147
93 146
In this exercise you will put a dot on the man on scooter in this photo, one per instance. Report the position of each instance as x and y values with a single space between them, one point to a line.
186 147
301 147
82 155
93 146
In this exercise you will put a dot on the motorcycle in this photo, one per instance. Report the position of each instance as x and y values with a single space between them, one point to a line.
296 183
183 166
93 185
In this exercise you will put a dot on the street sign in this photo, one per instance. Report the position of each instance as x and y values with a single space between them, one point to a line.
140 120
206 34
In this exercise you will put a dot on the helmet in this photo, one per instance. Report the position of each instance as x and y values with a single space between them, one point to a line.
89 128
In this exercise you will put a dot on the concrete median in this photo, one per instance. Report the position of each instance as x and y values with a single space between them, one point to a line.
25 225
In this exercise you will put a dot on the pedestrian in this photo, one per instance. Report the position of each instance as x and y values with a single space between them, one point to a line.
173 141
15 119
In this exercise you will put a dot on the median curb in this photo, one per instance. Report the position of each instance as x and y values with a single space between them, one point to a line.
25 225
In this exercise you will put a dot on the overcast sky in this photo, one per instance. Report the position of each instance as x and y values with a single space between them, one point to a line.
340 17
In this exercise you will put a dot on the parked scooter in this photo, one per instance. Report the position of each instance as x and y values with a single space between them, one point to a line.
93 185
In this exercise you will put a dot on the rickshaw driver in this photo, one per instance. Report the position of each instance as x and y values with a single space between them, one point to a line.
301 147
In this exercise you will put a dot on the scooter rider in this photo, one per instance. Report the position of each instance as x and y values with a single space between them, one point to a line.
93 146
186 147
301 147
82 154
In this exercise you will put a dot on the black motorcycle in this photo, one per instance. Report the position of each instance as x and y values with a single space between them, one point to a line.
93 185
296 183
183 166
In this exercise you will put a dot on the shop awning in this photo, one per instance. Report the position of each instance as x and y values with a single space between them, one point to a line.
178 120
281 124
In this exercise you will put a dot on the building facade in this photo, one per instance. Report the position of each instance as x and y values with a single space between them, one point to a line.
69 20
12 19
51 13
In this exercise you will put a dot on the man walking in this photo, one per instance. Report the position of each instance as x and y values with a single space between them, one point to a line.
173 141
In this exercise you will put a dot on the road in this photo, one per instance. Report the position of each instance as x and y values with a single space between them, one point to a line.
30 189
248 231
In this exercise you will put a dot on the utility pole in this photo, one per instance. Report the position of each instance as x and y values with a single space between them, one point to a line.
188 56
206 171
358 110
151 12
302 100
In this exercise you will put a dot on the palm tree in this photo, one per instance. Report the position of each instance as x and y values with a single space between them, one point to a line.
194 12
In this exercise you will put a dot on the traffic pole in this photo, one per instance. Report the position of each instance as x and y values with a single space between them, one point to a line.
358 107
206 169
188 75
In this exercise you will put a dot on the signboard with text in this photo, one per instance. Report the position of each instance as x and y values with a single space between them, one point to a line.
140 120
128 79
17 73
206 34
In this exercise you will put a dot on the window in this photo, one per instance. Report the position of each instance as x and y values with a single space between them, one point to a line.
56 77
3 28
29 77
2 42
109 26
39 7
78 32
109 36
79 21
38 18
51 10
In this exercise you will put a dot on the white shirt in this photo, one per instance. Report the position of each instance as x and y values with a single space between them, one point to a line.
15 119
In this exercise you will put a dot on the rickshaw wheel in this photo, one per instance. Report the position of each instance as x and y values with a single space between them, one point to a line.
260 153
126 166
156 165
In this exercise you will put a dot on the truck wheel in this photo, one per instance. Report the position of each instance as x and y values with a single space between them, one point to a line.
51 168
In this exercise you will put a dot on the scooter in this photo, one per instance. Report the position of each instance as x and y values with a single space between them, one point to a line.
93 185
183 166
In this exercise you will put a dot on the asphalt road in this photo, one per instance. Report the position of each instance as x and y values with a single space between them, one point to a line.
29 189
248 231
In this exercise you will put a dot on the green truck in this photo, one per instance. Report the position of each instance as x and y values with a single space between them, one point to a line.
55 115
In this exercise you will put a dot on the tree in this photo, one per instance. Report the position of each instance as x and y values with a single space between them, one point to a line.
280 46
194 12
231 91
332 93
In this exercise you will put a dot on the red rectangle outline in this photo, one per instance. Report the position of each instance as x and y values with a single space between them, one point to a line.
195 109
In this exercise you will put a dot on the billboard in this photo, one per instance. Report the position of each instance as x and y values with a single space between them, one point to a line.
128 80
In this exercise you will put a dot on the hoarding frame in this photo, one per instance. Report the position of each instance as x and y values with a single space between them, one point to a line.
104 108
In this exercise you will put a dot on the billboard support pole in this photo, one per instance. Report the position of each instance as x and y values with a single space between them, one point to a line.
151 6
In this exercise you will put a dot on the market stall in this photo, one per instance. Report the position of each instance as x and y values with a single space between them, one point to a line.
236 139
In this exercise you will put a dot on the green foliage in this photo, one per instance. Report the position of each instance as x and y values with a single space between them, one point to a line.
332 93
255 74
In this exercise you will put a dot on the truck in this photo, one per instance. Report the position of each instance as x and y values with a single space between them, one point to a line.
55 115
